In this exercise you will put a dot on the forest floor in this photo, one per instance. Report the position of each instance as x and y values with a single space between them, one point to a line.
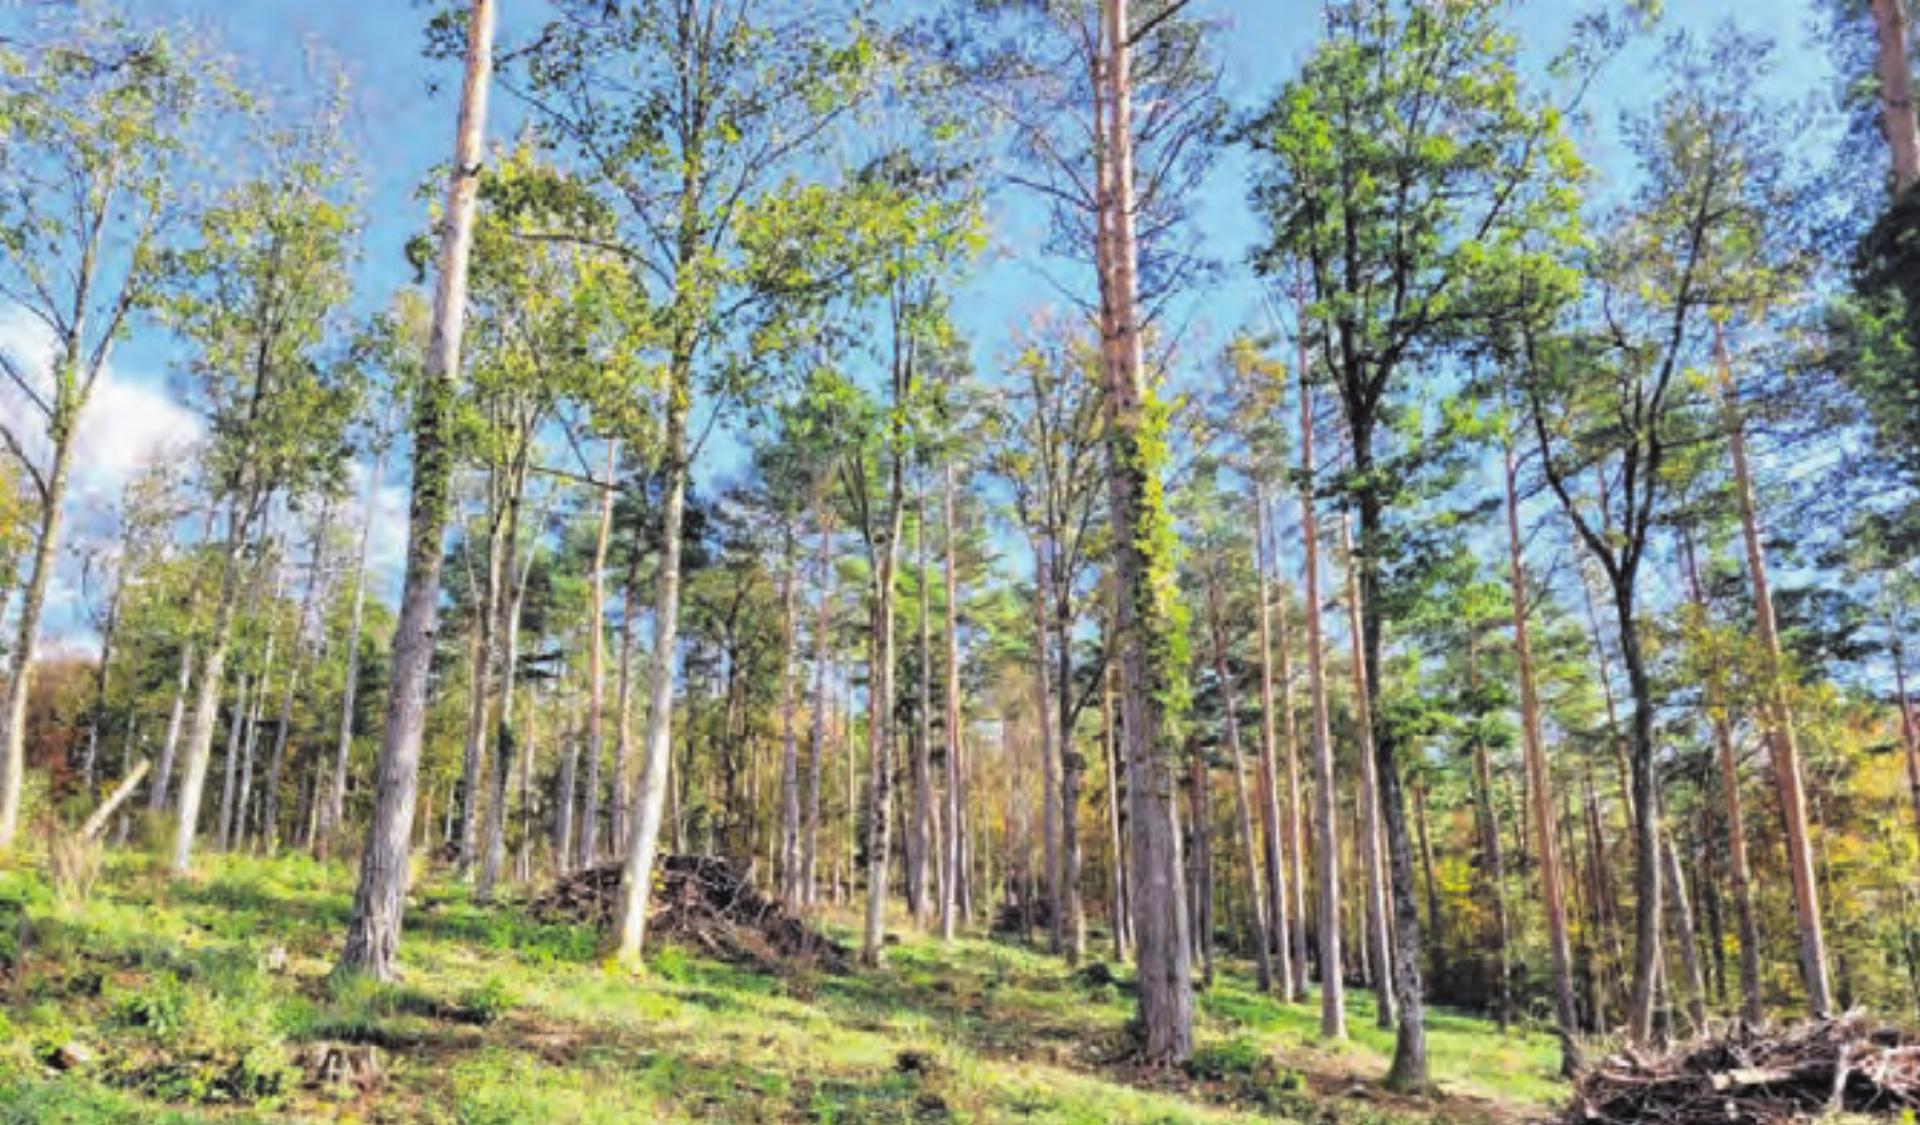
210 1000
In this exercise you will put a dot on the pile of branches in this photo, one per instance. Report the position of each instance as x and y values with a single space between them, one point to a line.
1765 1076
700 902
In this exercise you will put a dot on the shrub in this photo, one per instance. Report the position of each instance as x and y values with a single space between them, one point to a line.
487 1003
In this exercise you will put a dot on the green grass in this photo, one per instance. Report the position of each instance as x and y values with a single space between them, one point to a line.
199 1002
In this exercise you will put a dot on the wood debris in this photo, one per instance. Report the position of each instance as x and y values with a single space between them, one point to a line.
700 902
1765 1076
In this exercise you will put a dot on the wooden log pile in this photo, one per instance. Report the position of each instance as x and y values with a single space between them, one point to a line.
1767 1076
700 902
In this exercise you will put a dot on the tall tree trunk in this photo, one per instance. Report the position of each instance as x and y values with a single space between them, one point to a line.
1263 945
1909 737
956 809
1737 866
879 753
236 724
920 857
1200 879
1435 924
1073 924
1683 933
1894 74
1380 938
790 867
13 720
1139 519
176 718
1326 844
507 627
1540 783
333 810
199 744
597 669
621 800
276 764
1646 870
475 771
246 817
1043 705
1780 732
817 729
373 934
1116 799
1279 931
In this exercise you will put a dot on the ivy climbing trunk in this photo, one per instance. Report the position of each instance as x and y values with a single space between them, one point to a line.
1146 629
373 934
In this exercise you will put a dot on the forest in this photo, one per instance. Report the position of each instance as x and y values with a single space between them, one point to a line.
1077 560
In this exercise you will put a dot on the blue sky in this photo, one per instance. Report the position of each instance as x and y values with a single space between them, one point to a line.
399 130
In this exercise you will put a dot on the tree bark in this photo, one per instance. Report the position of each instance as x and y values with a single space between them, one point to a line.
13 720
597 670
1684 934
1263 945
920 857
507 627
790 866
333 810
276 764
373 934
1738 868
1043 706
1326 845
1779 716
1894 74
1116 799
817 731
1279 931
176 719
1165 987
236 723
1540 784
1379 936
956 810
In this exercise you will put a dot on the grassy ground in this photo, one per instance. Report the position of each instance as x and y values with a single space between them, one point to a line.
204 1001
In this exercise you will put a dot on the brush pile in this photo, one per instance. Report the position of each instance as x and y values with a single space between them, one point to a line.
702 903
1769 1076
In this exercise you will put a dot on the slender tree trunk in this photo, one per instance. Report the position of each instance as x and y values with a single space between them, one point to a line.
276 764
333 810
1165 987
920 856
1909 737
622 798
956 809
1379 935
199 744
1683 933
176 719
1263 945
373 934
1326 845
1893 71
1737 865
246 818
879 745
596 670
1116 799
507 627
1780 733
1279 931
1043 705
13 721
790 866
236 724
1073 924
1540 784
1435 923
817 730
1647 878
1200 879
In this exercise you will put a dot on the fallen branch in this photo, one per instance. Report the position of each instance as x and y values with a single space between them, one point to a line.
115 799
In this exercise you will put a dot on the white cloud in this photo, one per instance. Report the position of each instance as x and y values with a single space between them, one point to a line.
130 422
